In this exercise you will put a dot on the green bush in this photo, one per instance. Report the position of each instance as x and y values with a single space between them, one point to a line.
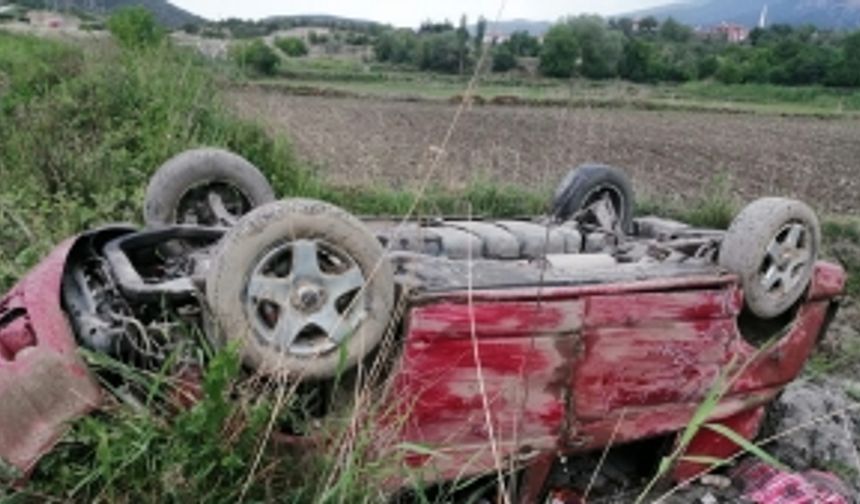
558 57
255 56
397 46
292 46
135 27
30 67
503 58
441 52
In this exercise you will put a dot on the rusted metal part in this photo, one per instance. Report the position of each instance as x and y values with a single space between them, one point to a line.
561 364
44 384
829 281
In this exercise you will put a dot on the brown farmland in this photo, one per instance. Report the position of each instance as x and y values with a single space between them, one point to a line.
669 154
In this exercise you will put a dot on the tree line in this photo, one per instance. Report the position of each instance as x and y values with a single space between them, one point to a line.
646 50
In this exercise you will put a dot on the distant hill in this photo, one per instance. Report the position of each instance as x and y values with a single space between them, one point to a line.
322 20
837 14
165 12
534 28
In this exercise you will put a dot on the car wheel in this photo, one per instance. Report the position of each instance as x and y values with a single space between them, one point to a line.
303 287
772 245
207 187
597 194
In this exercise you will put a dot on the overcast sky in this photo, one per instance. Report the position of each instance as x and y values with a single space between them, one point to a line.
411 13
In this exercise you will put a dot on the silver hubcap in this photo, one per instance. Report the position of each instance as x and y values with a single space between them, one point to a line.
786 258
304 297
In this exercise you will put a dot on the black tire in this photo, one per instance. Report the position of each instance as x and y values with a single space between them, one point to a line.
584 185
772 245
177 191
251 315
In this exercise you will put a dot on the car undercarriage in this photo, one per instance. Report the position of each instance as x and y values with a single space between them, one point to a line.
563 333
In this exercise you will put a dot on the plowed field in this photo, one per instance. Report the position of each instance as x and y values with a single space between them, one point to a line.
675 154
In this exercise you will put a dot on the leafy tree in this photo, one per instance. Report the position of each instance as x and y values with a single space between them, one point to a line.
523 44
676 63
135 27
729 71
255 56
317 38
292 46
638 60
560 51
191 28
809 65
504 58
600 49
707 66
674 31
462 43
397 46
649 25
431 27
440 52
480 33
845 70
625 26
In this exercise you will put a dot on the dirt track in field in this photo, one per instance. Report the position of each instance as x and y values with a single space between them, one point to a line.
674 154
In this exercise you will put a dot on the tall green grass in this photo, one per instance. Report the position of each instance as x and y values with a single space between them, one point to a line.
819 97
83 130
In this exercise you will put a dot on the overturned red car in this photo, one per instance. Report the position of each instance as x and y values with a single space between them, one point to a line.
517 341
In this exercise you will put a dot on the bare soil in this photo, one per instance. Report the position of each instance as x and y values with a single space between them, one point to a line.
676 154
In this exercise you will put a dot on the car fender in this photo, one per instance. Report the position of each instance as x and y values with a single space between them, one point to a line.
44 382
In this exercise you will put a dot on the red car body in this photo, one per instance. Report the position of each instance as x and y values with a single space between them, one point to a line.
541 371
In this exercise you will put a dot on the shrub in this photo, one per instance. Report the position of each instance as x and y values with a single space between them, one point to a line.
560 51
135 27
503 58
441 52
292 46
397 46
29 67
255 56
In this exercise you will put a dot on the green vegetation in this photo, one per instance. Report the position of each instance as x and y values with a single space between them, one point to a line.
340 77
83 131
644 51
135 27
255 57
292 46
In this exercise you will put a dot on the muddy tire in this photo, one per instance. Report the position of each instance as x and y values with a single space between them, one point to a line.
772 245
303 287
585 185
210 187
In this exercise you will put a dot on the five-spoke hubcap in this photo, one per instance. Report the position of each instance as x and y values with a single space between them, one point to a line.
304 297
786 257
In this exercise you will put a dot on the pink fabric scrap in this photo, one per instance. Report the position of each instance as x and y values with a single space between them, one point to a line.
763 484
